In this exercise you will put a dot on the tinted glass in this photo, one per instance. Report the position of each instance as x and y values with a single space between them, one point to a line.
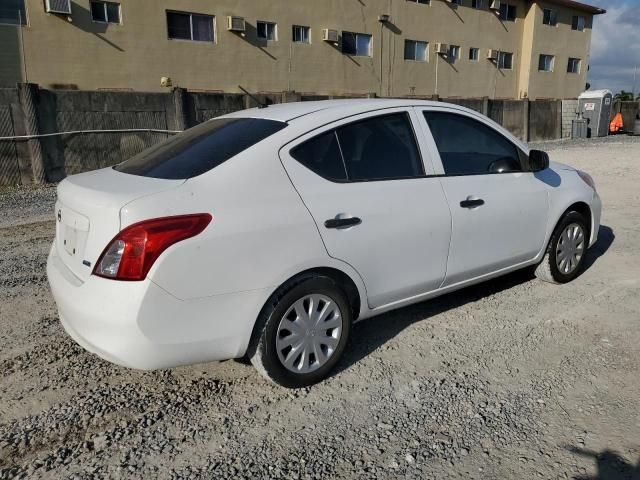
97 12
179 25
12 12
202 28
467 146
322 156
380 148
200 148
113 12
349 43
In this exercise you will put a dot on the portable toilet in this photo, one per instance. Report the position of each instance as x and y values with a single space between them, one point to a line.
595 106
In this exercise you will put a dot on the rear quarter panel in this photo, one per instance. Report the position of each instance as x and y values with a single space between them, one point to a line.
261 233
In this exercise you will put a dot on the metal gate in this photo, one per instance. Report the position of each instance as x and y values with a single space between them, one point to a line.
9 166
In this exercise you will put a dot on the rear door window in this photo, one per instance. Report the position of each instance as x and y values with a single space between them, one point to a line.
200 149
377 148
469 147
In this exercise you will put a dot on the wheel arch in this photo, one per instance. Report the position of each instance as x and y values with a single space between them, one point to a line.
355 295
582 208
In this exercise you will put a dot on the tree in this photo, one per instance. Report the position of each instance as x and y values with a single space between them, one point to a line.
624 96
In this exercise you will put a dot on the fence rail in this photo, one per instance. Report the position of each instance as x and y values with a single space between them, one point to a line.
18 138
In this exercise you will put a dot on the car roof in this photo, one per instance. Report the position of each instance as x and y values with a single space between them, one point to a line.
286 112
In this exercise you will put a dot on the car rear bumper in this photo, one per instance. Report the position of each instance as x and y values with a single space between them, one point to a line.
140 325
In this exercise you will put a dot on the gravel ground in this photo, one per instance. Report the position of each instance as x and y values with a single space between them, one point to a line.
514 378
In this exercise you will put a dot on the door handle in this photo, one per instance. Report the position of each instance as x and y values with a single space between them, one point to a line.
342 222
471 202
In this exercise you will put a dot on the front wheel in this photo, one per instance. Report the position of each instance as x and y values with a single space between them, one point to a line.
302 333
565 255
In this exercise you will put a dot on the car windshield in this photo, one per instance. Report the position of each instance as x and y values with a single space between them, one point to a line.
199 149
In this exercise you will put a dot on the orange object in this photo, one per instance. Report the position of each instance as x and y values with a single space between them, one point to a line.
616 125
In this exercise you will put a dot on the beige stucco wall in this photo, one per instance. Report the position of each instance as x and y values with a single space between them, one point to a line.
83 54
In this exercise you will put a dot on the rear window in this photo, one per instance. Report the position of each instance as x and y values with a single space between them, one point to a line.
199 149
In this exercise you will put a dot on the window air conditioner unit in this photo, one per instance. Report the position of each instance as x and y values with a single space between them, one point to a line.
492 54
494 5
442 48
329 35
235 24
58 6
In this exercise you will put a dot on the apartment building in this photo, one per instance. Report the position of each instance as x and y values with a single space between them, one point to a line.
452 48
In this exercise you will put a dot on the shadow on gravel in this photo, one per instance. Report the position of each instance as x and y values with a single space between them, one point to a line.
605 240
370 334
610 464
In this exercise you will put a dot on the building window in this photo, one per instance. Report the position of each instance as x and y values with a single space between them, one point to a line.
474 53
105 12
578 23
545 63
505 61
301 34
414 50
574 65
267 30
456 2
422 2
12 12
453 54
190 26
549 17
477 4
358 44
507 12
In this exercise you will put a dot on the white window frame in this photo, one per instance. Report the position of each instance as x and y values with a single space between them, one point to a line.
474 54
104 6
501 57
357 34
578 27
453 58
551 63
578 64
552 14
420 2
415 50
304 29
191 14
275 31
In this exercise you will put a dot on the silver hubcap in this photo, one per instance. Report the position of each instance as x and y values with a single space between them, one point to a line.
570 248
308 333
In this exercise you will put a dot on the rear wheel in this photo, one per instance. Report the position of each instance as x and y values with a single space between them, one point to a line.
565 255
302 333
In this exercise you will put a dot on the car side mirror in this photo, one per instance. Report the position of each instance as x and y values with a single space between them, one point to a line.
538 160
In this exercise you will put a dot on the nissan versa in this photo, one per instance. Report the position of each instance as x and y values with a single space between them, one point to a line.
268 232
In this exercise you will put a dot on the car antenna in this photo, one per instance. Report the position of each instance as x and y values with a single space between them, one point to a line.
255 99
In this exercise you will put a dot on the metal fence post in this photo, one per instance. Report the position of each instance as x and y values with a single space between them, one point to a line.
28 94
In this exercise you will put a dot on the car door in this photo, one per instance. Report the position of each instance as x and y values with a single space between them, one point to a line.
363 181
498 207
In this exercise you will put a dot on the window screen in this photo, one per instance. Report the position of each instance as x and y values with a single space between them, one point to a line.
469 147
199 149
179 25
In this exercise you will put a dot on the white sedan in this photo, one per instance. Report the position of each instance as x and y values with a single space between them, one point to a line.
267 232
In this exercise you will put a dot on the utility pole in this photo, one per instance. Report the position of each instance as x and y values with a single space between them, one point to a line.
633 89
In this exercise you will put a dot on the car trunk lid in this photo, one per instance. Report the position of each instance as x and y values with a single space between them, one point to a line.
88 213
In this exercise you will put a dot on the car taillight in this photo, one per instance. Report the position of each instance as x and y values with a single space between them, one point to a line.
131 254
586 178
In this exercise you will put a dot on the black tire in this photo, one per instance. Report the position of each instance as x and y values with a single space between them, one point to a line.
548 270
262 348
